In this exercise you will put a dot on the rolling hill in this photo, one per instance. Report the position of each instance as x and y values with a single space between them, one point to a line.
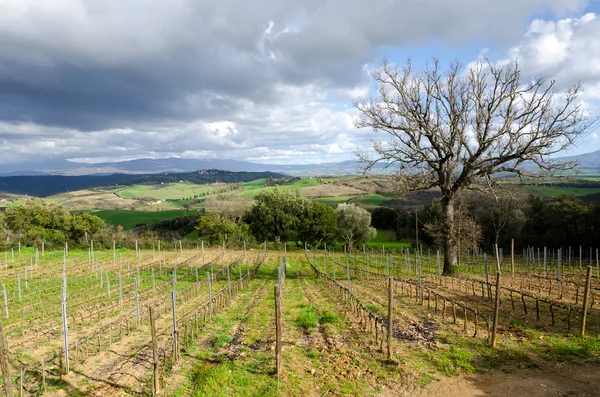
47 185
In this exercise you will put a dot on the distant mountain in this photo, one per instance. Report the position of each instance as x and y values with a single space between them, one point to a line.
47 185
587 161
151 166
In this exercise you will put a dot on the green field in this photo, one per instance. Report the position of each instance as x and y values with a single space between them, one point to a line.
385 238
129 219
174 191
555 191
249 190
373 199
334 200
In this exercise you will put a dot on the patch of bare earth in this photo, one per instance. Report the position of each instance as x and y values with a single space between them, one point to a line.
557 379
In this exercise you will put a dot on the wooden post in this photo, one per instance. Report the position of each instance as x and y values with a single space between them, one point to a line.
155 379
4 363
5 301
496 309
120 291
65 326
175 343
21 382
43 386
416 232
209 295
228 282
512 256
559 281
154 284
348 273
389 324
137 302
588 279
497 257
278 327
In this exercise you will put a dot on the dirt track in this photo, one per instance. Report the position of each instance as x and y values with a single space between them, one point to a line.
555 380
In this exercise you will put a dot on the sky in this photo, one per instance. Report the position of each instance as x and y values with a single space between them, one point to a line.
268 81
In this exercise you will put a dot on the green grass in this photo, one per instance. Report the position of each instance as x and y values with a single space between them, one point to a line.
308 317
172 191
129 219
555 191
229 379
385 238
249 190
453 361
373 199
334 200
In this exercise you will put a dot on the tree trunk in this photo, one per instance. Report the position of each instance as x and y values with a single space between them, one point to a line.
450 244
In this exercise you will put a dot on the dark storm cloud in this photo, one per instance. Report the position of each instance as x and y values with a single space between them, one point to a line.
159 67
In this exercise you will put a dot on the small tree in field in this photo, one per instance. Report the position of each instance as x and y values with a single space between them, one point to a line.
453 130
354 224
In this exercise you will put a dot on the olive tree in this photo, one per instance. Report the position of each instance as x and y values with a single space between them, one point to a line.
456 129
354 224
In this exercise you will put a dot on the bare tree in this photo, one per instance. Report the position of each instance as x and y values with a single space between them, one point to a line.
454 130
500 214
468 234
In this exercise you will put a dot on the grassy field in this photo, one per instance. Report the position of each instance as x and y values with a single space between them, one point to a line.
373 199
249 190
335 200
129 219
555 191
176 191
386 238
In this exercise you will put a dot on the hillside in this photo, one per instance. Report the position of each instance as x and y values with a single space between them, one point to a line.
174 165
47 185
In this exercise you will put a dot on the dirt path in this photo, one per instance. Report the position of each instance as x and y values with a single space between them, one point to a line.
555 380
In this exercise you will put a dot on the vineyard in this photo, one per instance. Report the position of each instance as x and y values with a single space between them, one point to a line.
216 321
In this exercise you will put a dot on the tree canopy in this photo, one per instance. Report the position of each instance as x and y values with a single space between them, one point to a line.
455 130
354 224
276 214
283 215
36 220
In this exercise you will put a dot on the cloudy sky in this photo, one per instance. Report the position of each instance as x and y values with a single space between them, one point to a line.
266 80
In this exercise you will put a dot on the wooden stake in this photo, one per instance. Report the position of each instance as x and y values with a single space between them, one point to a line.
175 343
588 279
4 363
5 301
43 387
137 302
497 257
155 379
278 327
65 326
512 256
496 308
389 324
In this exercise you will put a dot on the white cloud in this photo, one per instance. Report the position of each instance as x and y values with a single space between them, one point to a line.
268 80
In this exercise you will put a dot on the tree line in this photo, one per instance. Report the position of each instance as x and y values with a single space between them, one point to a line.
483 220
276 216
286 216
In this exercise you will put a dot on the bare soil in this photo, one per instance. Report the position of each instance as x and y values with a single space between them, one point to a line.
557 379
